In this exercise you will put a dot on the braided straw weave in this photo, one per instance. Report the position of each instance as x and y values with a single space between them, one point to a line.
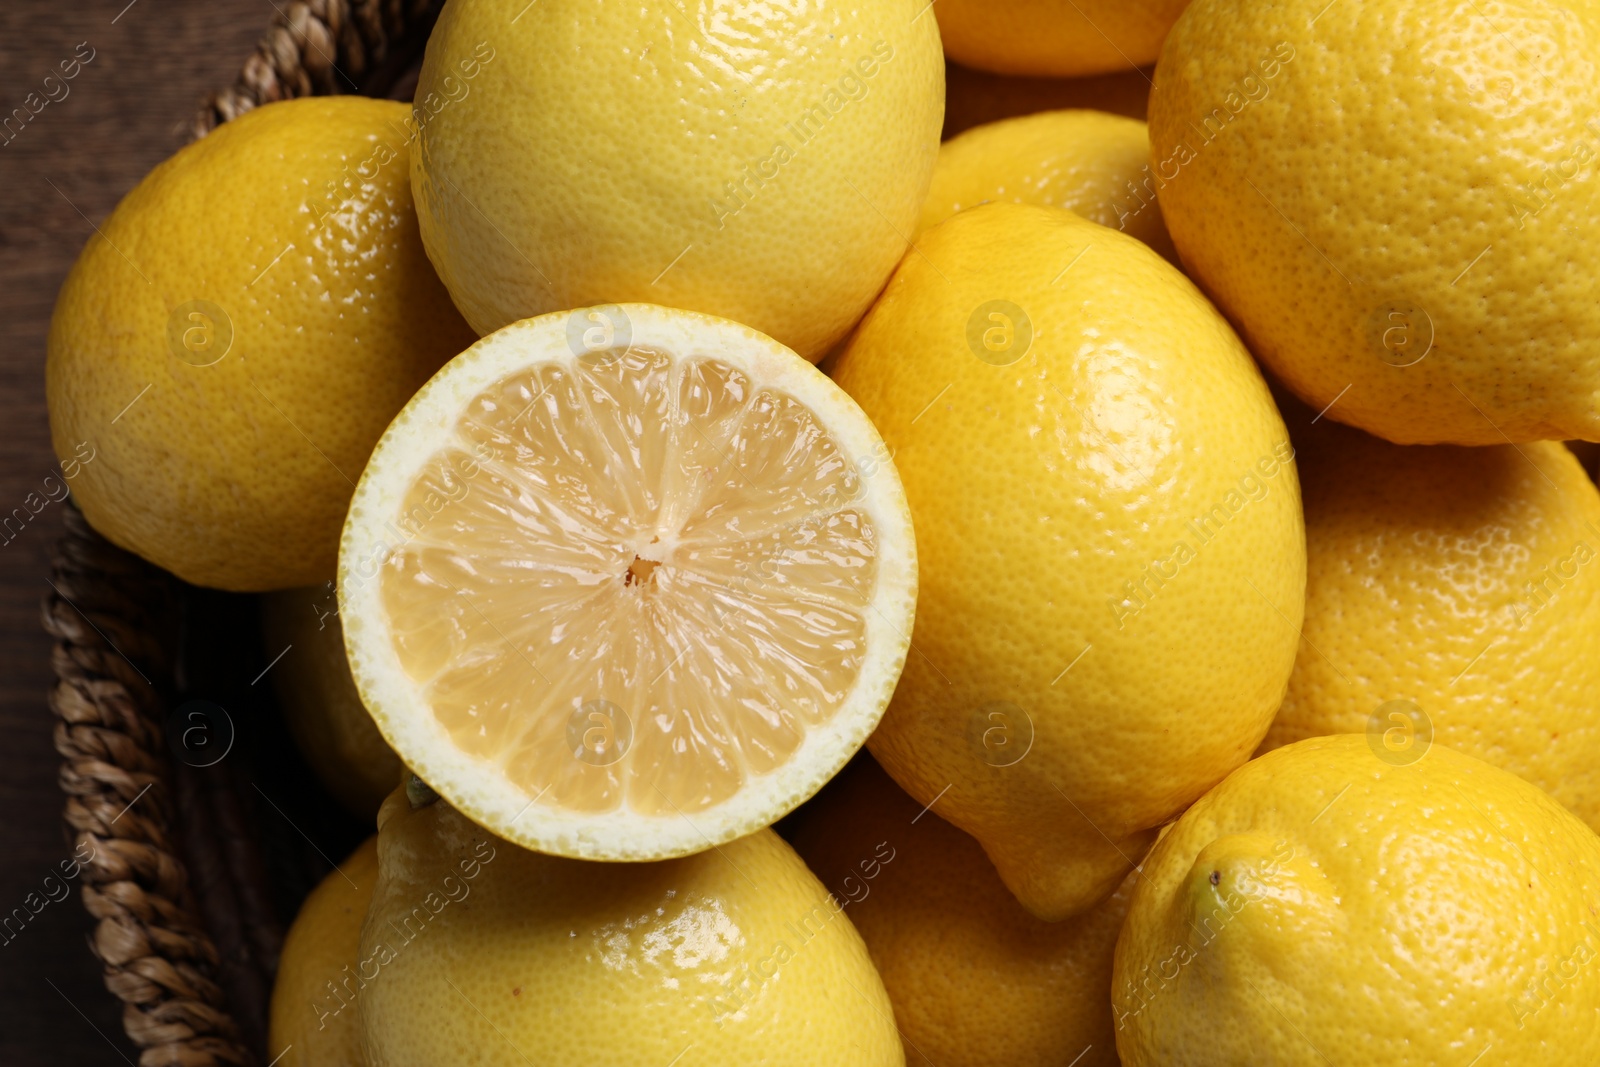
182 925
114 620
323 48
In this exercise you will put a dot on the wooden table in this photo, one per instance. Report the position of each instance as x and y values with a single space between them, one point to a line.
153 61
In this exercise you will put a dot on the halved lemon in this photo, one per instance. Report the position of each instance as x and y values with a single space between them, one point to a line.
627 582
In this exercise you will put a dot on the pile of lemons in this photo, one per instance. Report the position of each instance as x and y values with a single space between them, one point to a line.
1180 515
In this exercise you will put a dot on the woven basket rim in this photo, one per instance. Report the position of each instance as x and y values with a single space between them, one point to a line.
189 948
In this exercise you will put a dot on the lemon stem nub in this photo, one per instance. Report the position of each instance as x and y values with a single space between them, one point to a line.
419 793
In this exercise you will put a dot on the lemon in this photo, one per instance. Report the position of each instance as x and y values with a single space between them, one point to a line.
313 1020
1324 906
632 601
300 627
1421 266
1043 38
764 164
1452 596
1088 162
974 97
1108 522
975 980
486 953
238 334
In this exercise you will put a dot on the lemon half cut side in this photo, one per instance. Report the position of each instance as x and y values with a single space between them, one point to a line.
627 582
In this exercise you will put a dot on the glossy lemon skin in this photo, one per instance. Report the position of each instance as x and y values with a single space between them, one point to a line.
1427 260
734 955
1464 582
1325 905
232 467
313 1020
1042 38
764 164
1044 490
976 981
1087 162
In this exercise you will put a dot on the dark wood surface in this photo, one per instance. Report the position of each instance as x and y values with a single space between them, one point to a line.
153 62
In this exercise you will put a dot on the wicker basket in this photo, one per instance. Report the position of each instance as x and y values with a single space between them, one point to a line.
203 828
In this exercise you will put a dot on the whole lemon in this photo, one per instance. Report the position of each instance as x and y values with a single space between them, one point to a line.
1041 37
476 951
763 164
1452 596
313 1020
1324 906
1396 203
237 335
974 97
975 980
1109 538
1088 162
302 635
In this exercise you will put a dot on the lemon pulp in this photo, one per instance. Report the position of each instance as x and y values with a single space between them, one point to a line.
651 582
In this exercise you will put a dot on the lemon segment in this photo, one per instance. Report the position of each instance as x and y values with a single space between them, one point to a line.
631 601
